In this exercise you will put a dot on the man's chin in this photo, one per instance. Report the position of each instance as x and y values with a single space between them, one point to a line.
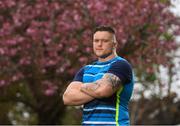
103 55
99 55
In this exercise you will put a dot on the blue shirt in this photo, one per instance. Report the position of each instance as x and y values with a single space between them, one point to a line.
114 109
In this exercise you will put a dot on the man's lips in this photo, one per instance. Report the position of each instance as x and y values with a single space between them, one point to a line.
99 49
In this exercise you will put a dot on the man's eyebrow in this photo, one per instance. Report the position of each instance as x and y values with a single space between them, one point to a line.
102 39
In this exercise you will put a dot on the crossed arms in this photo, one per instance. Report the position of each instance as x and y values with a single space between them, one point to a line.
78 93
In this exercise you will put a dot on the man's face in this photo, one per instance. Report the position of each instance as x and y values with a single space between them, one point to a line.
103 43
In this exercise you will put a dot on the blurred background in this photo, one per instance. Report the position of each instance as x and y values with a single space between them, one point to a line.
44 42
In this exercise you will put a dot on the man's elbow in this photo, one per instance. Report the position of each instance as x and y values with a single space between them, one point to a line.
65 100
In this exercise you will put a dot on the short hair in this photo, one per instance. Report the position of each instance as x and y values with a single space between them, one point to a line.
104 28
108 29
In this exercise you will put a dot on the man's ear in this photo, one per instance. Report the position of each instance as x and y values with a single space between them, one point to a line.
115 45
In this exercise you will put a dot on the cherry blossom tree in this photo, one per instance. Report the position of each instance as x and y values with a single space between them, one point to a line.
44 42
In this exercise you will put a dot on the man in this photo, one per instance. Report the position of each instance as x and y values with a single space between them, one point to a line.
104 87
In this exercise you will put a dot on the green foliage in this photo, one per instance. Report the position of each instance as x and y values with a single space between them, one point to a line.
167 36
5 107
20 114
72 116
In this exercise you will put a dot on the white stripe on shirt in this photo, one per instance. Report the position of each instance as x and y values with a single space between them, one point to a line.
100 108
93 122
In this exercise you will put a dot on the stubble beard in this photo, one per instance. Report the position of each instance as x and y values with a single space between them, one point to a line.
104 55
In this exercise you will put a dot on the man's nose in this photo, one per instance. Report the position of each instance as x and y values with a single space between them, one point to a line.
100 43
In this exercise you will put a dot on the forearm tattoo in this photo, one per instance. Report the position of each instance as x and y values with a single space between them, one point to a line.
112 79
96 86
92 87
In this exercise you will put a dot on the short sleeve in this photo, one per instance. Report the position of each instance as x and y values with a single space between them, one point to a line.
122 69
79 75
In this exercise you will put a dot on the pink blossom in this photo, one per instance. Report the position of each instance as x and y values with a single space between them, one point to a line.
12 52
49 92
82 59
2 52
56 36
31 31
2 83
24 61
50 89
11 42
15 78
51 63
71 50
88 49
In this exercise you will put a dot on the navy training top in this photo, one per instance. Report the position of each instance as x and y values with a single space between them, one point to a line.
114 109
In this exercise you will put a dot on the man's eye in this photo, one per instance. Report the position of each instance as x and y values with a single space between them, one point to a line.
105 41
96 40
